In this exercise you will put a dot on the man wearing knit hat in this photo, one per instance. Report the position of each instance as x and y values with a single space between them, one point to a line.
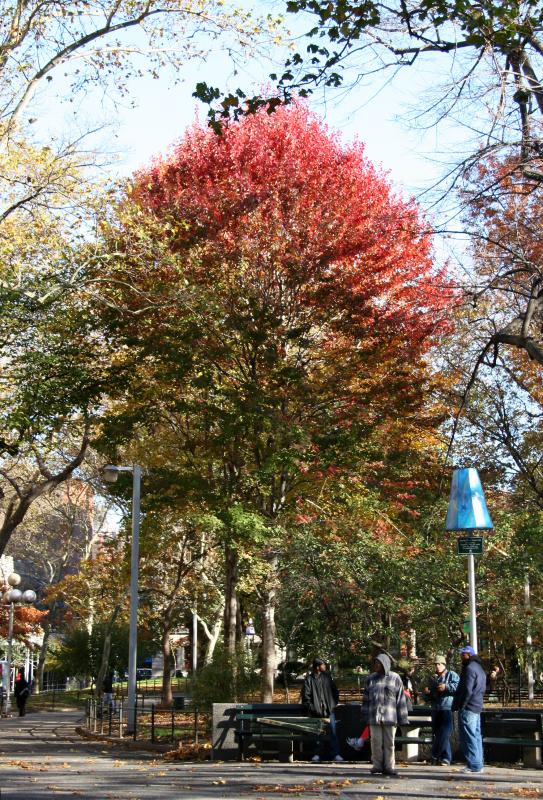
440 690
320 697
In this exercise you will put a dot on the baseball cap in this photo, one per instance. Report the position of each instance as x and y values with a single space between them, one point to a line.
468 649
440 660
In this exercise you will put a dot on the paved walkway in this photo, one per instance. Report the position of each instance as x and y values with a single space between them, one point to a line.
42 758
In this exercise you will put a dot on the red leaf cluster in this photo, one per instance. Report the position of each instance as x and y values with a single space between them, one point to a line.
279 202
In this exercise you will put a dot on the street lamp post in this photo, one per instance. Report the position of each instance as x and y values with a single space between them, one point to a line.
12 596
467 511
111 473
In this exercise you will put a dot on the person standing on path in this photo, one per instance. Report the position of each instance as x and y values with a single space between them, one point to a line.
107 688
440 690
320 697
384 706
468 701
22 691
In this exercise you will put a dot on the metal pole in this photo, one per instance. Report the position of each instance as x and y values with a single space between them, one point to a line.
134 564
9 654
472 606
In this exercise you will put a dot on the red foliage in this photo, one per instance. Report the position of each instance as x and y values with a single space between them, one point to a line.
307 218
27 621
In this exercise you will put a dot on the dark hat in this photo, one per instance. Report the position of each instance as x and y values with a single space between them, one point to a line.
468 649
317 662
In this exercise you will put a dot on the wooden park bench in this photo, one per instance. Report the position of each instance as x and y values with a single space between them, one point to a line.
277 729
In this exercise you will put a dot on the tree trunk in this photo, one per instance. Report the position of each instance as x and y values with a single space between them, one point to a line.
212 635
106 649
412 643
529 644
38 678
268 631
231 601
167 698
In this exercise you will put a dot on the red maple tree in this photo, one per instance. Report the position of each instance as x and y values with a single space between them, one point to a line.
285 300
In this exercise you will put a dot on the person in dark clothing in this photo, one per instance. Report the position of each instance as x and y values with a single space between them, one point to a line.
22 691
320 697
468 701
107 688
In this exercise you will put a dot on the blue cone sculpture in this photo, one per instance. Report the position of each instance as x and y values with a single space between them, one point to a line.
467 507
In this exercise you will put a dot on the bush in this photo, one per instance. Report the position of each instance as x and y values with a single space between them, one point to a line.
224 680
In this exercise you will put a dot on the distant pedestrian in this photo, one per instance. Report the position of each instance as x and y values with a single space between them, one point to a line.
468 701
22 691
320 697
440 691
107 688
384 706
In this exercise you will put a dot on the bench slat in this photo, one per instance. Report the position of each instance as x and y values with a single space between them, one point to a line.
512 741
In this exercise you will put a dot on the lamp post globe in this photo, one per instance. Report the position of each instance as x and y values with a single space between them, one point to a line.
14 579
15 596
29 596
110 473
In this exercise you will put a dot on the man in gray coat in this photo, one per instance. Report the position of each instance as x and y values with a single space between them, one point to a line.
384 707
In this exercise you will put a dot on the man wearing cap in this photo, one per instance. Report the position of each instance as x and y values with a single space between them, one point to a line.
320 697
468 701
440 690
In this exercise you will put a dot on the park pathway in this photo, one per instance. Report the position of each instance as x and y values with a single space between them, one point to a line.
43 758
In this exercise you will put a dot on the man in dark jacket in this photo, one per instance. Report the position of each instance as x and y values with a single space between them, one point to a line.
384 706
468 701
320 697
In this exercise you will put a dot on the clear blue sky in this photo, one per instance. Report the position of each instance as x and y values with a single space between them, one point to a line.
163 109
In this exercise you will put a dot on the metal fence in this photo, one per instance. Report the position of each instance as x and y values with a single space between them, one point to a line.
153 723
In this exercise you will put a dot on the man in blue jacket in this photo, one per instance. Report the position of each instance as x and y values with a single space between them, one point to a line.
468 701
440 690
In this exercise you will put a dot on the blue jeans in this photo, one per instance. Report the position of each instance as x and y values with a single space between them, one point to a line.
442 725
471 743
333 741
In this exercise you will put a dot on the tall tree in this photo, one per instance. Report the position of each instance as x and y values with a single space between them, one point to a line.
285 301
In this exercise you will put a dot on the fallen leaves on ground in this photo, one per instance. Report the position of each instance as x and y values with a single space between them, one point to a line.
303 788
527 792
27 765
188 751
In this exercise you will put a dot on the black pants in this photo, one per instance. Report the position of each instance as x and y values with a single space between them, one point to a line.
21 703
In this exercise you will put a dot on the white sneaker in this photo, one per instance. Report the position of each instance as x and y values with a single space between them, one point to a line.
338 758
315 759
356 744
473 771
